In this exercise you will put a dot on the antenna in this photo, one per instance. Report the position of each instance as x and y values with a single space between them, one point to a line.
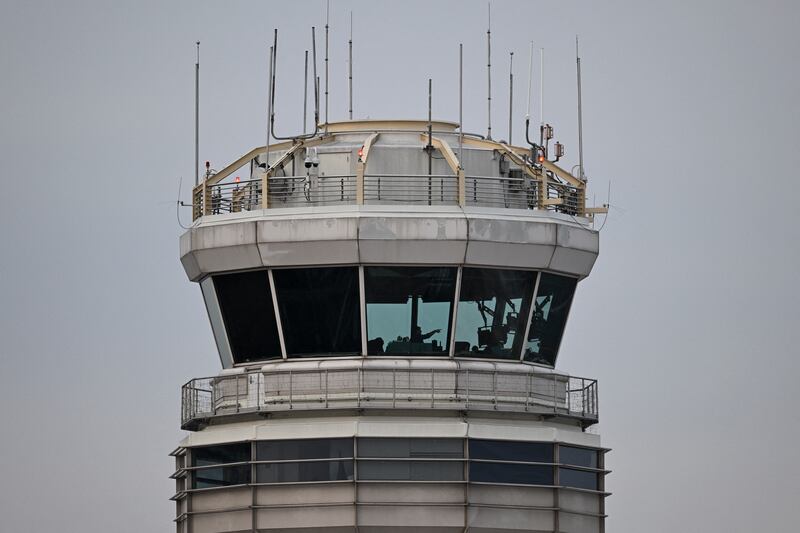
461 105
197 117
510 95
580 112
429 148
489 73
327 19
350 68
273 71
269 103
305 94
316 79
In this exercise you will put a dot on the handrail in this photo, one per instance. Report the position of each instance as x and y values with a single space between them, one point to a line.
533 392
539 188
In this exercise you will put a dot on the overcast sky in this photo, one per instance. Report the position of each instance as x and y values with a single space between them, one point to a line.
689 320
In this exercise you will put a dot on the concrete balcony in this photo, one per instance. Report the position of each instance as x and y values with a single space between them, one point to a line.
390 384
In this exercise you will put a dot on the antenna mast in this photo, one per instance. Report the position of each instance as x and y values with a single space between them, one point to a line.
327 19
269 105
197 117
461 105
350 68
580 112
489 73
510 95
305 95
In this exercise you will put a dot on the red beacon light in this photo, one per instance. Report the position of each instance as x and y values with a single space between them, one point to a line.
236 179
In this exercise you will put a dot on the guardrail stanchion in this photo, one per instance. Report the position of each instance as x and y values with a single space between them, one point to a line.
394 386
291 385
433 387
326 388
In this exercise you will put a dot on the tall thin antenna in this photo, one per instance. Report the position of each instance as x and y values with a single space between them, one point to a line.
510 95
197 117
269 106
305 95
430 128
350 69
580 112
489 73
461 105
327 20
316 78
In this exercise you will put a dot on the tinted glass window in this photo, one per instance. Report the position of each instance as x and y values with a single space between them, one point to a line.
553 300
409 309
319 310
410 448
282 450
569 455
531 452
246 304
411 470
214 455
511 473
312 471
492 307
221 476
577 478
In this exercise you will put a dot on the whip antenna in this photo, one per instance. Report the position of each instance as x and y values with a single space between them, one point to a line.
350 68
489 73
580 112
327 19
510 95
197 117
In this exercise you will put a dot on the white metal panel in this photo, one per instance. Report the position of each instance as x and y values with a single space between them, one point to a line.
395 426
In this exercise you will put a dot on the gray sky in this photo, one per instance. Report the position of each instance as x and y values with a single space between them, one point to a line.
689 320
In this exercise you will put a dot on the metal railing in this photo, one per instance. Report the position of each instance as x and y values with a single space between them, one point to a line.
543 393
418 189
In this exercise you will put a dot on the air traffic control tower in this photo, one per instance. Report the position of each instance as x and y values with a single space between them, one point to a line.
388 299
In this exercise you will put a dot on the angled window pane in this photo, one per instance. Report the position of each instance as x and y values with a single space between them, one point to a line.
296 472
511 473
411 470
553 300
282 450
409 309
499 450
246 304
492 308
319 310
569 455
577 478
398 448
221 476
222 454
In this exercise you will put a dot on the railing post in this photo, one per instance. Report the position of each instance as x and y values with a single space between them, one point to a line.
360 183
466 401
358 394
555 402
494 387
528 391
291 384
462 188
394 386
265 188
237 393
326 388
